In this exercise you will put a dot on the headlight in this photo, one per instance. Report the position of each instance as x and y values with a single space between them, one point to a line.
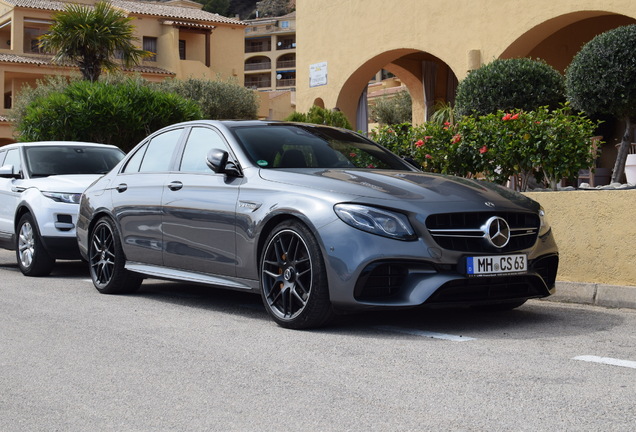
376 221
69 198
545 226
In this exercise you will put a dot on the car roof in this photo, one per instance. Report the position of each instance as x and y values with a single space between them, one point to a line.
55 143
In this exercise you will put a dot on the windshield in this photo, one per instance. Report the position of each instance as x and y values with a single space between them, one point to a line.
76 159
305 146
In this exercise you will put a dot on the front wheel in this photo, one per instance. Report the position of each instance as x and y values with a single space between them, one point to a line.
106 260
32 257
293 278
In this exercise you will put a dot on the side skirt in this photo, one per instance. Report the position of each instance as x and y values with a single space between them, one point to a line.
180 275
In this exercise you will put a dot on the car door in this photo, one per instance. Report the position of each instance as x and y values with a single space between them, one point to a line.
9 196
136 195
199 210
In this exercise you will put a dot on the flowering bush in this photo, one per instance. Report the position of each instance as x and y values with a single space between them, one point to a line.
547 144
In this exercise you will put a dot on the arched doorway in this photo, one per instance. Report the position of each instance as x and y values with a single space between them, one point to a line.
426 77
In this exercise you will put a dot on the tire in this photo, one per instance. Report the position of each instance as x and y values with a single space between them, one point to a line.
32 257
293 278
106 260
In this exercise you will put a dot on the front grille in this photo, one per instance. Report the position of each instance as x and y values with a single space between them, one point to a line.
463 231
487 289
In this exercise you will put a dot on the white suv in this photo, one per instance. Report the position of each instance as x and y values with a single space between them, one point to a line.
40 187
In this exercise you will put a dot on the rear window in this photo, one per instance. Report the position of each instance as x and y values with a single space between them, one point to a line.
57 160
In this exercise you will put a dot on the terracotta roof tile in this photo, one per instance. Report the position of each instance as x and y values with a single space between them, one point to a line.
46 60
142 7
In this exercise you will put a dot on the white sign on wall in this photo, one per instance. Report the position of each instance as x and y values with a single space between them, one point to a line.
318 74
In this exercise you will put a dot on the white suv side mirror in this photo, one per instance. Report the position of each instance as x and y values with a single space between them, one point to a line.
7 171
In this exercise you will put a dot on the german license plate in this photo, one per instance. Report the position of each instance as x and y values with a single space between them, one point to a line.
496 264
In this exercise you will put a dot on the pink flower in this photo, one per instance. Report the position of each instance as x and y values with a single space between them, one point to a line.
515 117
370 166
457 138
507 117
428 137
419 143
483 150
428 156
352 155
446 123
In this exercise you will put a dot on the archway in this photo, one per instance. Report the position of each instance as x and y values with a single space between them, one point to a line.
426 77
557 41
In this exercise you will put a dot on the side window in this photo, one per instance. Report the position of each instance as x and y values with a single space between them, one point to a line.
133 164
2 155
150 44
13 158
158 156
200 142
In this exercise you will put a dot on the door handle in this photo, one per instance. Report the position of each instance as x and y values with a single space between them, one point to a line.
175 185
122 187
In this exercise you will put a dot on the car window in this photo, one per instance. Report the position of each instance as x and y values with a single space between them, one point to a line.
158 155
200 142
13 158
133 164
296 146
44 161
2 155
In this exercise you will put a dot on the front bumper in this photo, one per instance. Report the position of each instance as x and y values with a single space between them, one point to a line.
368 272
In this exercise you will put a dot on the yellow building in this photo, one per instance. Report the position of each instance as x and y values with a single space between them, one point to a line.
431 44
270 53
188 42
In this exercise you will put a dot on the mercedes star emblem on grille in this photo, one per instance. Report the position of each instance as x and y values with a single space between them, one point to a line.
497 231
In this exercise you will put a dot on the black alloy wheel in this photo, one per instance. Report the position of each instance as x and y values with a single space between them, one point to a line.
293 278
106 260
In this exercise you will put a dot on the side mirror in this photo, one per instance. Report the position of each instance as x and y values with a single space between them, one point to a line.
217 160
7 171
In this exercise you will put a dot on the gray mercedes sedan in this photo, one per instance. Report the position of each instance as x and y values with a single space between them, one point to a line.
316 219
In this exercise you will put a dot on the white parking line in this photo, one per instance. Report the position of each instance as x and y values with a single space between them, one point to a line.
607 361
453 338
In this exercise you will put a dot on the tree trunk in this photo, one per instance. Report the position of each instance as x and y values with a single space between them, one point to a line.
623 151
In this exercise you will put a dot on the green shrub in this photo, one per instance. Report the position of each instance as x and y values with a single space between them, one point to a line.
549 144
318 115
602 80
218 100
120 114
509 84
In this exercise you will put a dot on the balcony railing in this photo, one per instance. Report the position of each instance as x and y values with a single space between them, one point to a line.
258 66
258 48
285 64
260 83
286 82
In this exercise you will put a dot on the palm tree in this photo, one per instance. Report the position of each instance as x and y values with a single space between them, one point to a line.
92 37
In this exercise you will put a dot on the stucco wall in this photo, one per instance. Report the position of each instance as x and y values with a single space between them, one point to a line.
462 34
596 234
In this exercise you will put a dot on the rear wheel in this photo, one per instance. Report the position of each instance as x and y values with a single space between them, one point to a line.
293 278
32 258
106 261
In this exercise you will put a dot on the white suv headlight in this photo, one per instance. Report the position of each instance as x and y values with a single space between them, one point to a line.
70 198
376 221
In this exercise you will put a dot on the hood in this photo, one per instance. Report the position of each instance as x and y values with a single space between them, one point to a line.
76 183
398 185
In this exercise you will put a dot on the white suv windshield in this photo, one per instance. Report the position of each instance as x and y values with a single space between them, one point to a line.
56 160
